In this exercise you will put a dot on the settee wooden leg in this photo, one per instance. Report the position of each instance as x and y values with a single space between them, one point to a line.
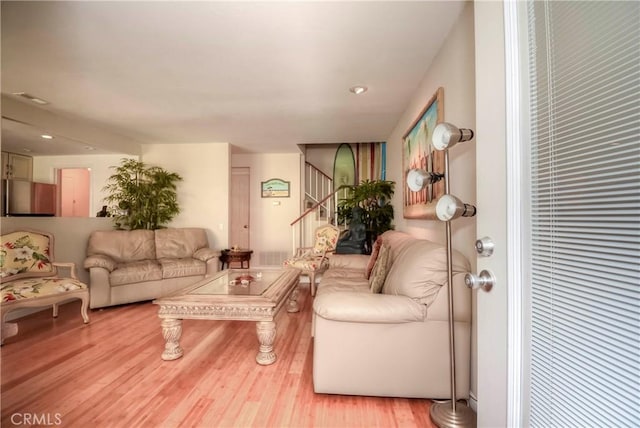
8 329
312 280
55 310
84 309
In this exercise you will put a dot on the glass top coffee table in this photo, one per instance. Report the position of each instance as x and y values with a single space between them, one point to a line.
233 294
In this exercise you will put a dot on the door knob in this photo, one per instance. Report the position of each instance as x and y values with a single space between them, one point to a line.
484 280
485 246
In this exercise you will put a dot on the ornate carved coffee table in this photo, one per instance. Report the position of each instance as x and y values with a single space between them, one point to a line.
234 294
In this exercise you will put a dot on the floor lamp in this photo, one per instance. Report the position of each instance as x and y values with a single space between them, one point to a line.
448 413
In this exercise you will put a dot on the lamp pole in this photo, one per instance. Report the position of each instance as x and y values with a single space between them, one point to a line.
451 414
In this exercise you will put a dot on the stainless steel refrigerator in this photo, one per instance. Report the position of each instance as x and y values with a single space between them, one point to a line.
28 198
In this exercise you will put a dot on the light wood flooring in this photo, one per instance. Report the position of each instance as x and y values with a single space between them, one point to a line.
109 374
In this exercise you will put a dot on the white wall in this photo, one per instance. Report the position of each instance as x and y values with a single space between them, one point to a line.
203 194
454 70
44 171
321 156
270 222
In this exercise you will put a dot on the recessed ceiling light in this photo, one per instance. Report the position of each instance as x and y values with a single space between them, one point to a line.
27 150
358 89
47 136
31 98
89 148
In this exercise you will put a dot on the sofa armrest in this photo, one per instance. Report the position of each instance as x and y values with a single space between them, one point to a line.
439 309
368 308
101 261
349 261
212 266
205 254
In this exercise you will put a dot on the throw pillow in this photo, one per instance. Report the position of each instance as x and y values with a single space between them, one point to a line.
374 256
380 269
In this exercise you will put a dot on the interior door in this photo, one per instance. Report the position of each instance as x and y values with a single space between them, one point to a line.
74 192
239 229
491 188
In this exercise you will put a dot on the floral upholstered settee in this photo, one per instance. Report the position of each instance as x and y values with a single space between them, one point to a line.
312 260
29 277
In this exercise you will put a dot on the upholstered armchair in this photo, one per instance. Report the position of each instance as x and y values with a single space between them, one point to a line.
29 277
312 260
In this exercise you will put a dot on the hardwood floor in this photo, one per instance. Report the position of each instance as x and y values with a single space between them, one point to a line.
109 374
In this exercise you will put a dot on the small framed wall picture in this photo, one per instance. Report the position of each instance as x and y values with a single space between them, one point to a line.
275 188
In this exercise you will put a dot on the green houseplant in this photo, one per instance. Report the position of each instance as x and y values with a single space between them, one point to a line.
141 196
373 197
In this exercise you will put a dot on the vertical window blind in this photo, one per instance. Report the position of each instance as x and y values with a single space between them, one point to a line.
584 73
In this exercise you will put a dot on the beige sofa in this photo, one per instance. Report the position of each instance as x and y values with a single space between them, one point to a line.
396 342
135 265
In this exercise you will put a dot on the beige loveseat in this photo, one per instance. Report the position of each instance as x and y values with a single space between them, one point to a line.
135 265
395 342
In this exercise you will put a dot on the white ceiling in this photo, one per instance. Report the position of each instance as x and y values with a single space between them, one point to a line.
23 138
263 76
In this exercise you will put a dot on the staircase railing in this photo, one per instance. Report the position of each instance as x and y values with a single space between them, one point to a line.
322 200
317 184
302 228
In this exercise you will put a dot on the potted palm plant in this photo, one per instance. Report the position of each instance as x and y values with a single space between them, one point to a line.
142 196
373 197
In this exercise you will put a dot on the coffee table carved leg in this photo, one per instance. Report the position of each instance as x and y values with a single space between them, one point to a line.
266 336
171 331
